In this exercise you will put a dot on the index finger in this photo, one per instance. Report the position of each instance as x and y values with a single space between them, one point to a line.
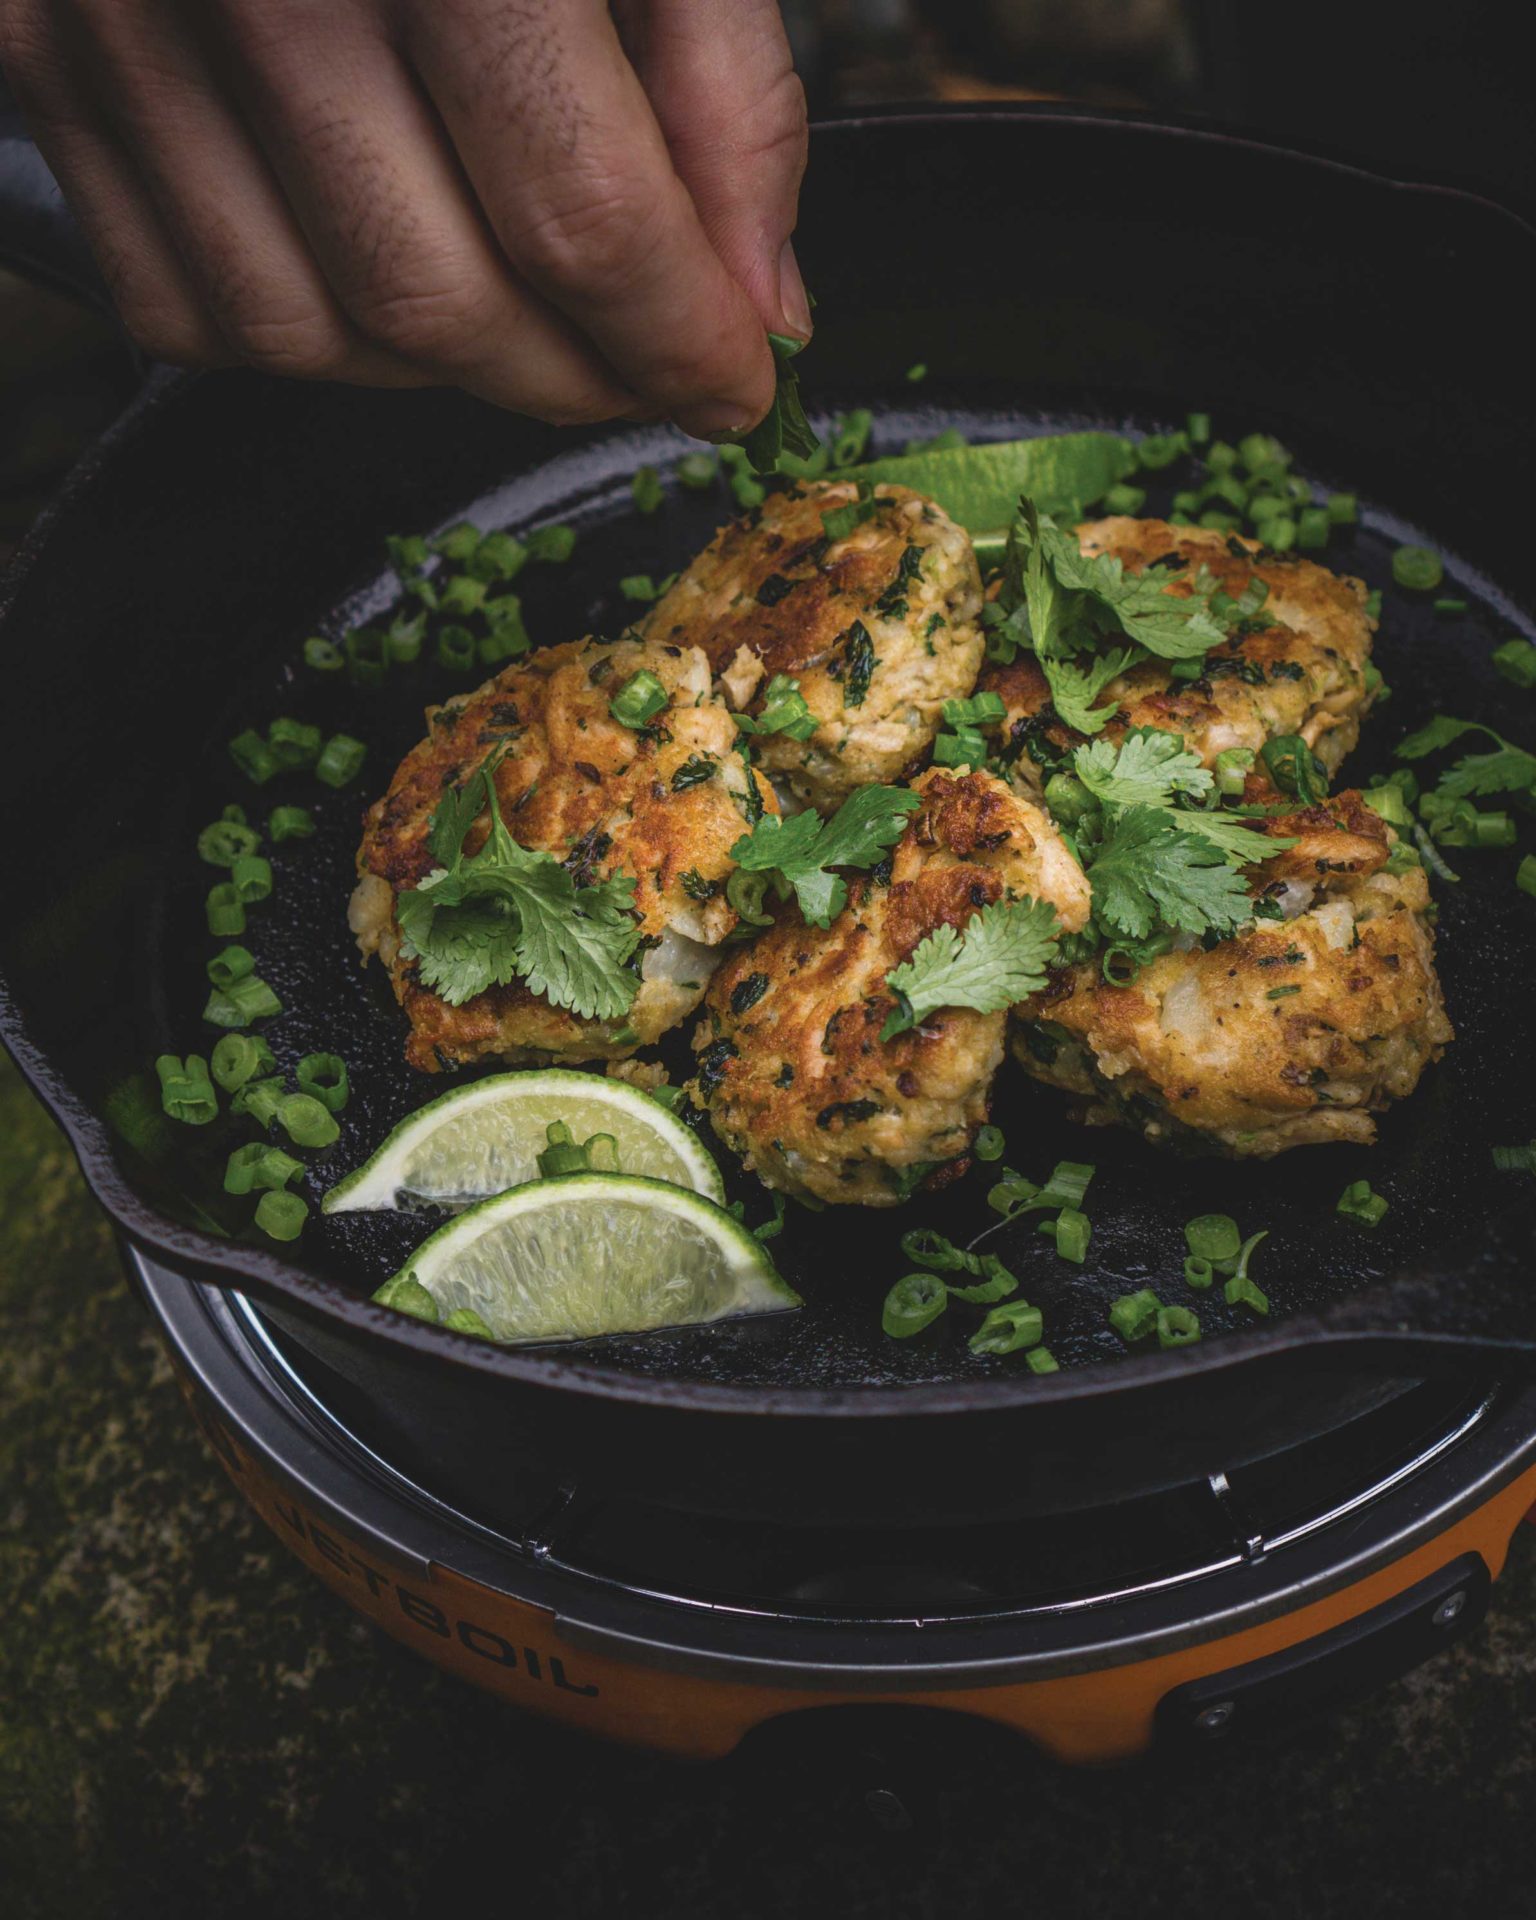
558 139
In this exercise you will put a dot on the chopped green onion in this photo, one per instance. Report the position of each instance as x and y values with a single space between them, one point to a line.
552 544
640 699
1343 509
1177 1327
1278 534
1313 527
230 965
1417 568
696 470
1226 487
306 1120
1245 1254
466 1320
290 823
1516 660
1295 768
1073 1230
1358 1203
1042 1360
324 1077
186 1093
408 552
850 436
1134 1315
295 742
251 877
366 660
1241 1291
405 1293
260 1099
323 655
499 556
1187 501
243 1001
456 648
463 594
917 371
1213 1237
1159 450
1197 428
226 911
1516 1159
253 756
931 1249
341 760
1007 1329
1281 993
1373 612
259 1165
1450 604
1233 765
1220 456
997 1284
403 637
1198 1273
281 1216
639 587
458 543
1068 799
989 1144
1125 499
1257 450
1525 874
1391 804
223 843
1218 522
912 1304
238 1057
647 490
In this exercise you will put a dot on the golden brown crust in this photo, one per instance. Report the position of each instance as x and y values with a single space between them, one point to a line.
1290 1033
601 796
1303 675
770 594
791 1064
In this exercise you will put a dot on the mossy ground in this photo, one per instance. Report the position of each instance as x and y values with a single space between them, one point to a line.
190 1725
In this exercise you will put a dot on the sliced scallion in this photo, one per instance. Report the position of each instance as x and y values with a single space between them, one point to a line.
324 1077
281 1216
341 760
913 1303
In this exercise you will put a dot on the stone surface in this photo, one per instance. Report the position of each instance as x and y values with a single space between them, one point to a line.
190 1725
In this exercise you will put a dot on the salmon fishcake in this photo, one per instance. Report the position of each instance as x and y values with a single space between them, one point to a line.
791 1065
1294 1031
878 625
1297 667
662 803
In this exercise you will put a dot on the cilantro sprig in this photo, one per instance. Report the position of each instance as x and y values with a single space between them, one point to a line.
798 854
1088 621
784 427
999 960
507 913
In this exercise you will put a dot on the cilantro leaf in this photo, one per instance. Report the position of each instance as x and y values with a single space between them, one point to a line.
1149 867
999 960
506 913
1147 768
1440 732
799 851
1075 686
784 427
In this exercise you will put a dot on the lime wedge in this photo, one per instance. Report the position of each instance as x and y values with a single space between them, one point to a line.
588 1254
484 1138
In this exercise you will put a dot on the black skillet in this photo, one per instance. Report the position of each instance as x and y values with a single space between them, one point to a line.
1052 268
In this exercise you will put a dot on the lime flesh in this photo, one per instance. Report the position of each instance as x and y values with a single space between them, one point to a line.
594 1253
482 1139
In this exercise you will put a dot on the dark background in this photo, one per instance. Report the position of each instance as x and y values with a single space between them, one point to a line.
189 1725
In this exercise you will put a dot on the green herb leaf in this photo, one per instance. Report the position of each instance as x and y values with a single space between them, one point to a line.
1149 869
1000 959
800 851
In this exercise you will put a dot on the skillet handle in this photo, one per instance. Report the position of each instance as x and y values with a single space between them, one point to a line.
38 235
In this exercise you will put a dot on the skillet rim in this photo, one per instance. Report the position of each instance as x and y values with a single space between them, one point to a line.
253 1270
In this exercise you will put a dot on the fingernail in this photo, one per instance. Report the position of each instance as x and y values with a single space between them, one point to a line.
712 419
793 302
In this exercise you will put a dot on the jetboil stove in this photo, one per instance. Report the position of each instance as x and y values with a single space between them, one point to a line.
1183 1616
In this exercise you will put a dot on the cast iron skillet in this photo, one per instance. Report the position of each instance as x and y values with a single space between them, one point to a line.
1053 268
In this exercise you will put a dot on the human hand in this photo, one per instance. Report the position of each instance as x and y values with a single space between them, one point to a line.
572 212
